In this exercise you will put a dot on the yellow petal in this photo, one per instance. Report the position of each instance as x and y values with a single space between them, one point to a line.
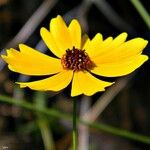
85 83
94 44
50 42
107 46
54 83
60 33
31 62
120 68
119 40
124 51
99 47
75 33
85 42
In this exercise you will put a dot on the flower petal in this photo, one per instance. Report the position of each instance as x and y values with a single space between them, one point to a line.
97 49
85 42
94 44
124 51
107 46
50 42
75 33
54 83
85 83
119 68
60 34
31 62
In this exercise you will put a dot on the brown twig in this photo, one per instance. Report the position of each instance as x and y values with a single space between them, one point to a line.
106 98
33 22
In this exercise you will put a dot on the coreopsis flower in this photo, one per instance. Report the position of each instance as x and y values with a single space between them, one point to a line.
77 59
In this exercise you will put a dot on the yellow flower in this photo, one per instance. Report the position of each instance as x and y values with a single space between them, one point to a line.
77 59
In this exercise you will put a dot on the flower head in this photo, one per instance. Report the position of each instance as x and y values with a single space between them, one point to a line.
77 59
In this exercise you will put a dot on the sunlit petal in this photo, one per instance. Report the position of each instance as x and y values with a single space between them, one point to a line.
120 68
107 46
55 83
100 48
31 62
87 84
94 44
60 33
126 50
50 42
75 33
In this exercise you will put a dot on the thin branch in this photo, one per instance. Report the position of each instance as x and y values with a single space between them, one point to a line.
33 22
112 16
106 98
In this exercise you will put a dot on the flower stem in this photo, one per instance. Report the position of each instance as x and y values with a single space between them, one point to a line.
74 119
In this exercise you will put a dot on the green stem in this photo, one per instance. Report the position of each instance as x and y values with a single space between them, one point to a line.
142 11
99 126
74 116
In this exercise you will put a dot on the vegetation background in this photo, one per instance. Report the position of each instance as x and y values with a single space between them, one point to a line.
32 120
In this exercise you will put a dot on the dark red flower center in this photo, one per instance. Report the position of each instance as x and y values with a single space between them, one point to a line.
76 60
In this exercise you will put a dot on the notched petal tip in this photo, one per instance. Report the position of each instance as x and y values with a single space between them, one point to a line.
102 90
3 56
25 48
20 45
92 93
138 43
11 68
125 34
43 30
99 35
145 42
8 53
75 21
139 40
145 58
58 18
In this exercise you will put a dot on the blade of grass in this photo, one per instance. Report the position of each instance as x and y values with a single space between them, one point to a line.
102 127
142 11
42 121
